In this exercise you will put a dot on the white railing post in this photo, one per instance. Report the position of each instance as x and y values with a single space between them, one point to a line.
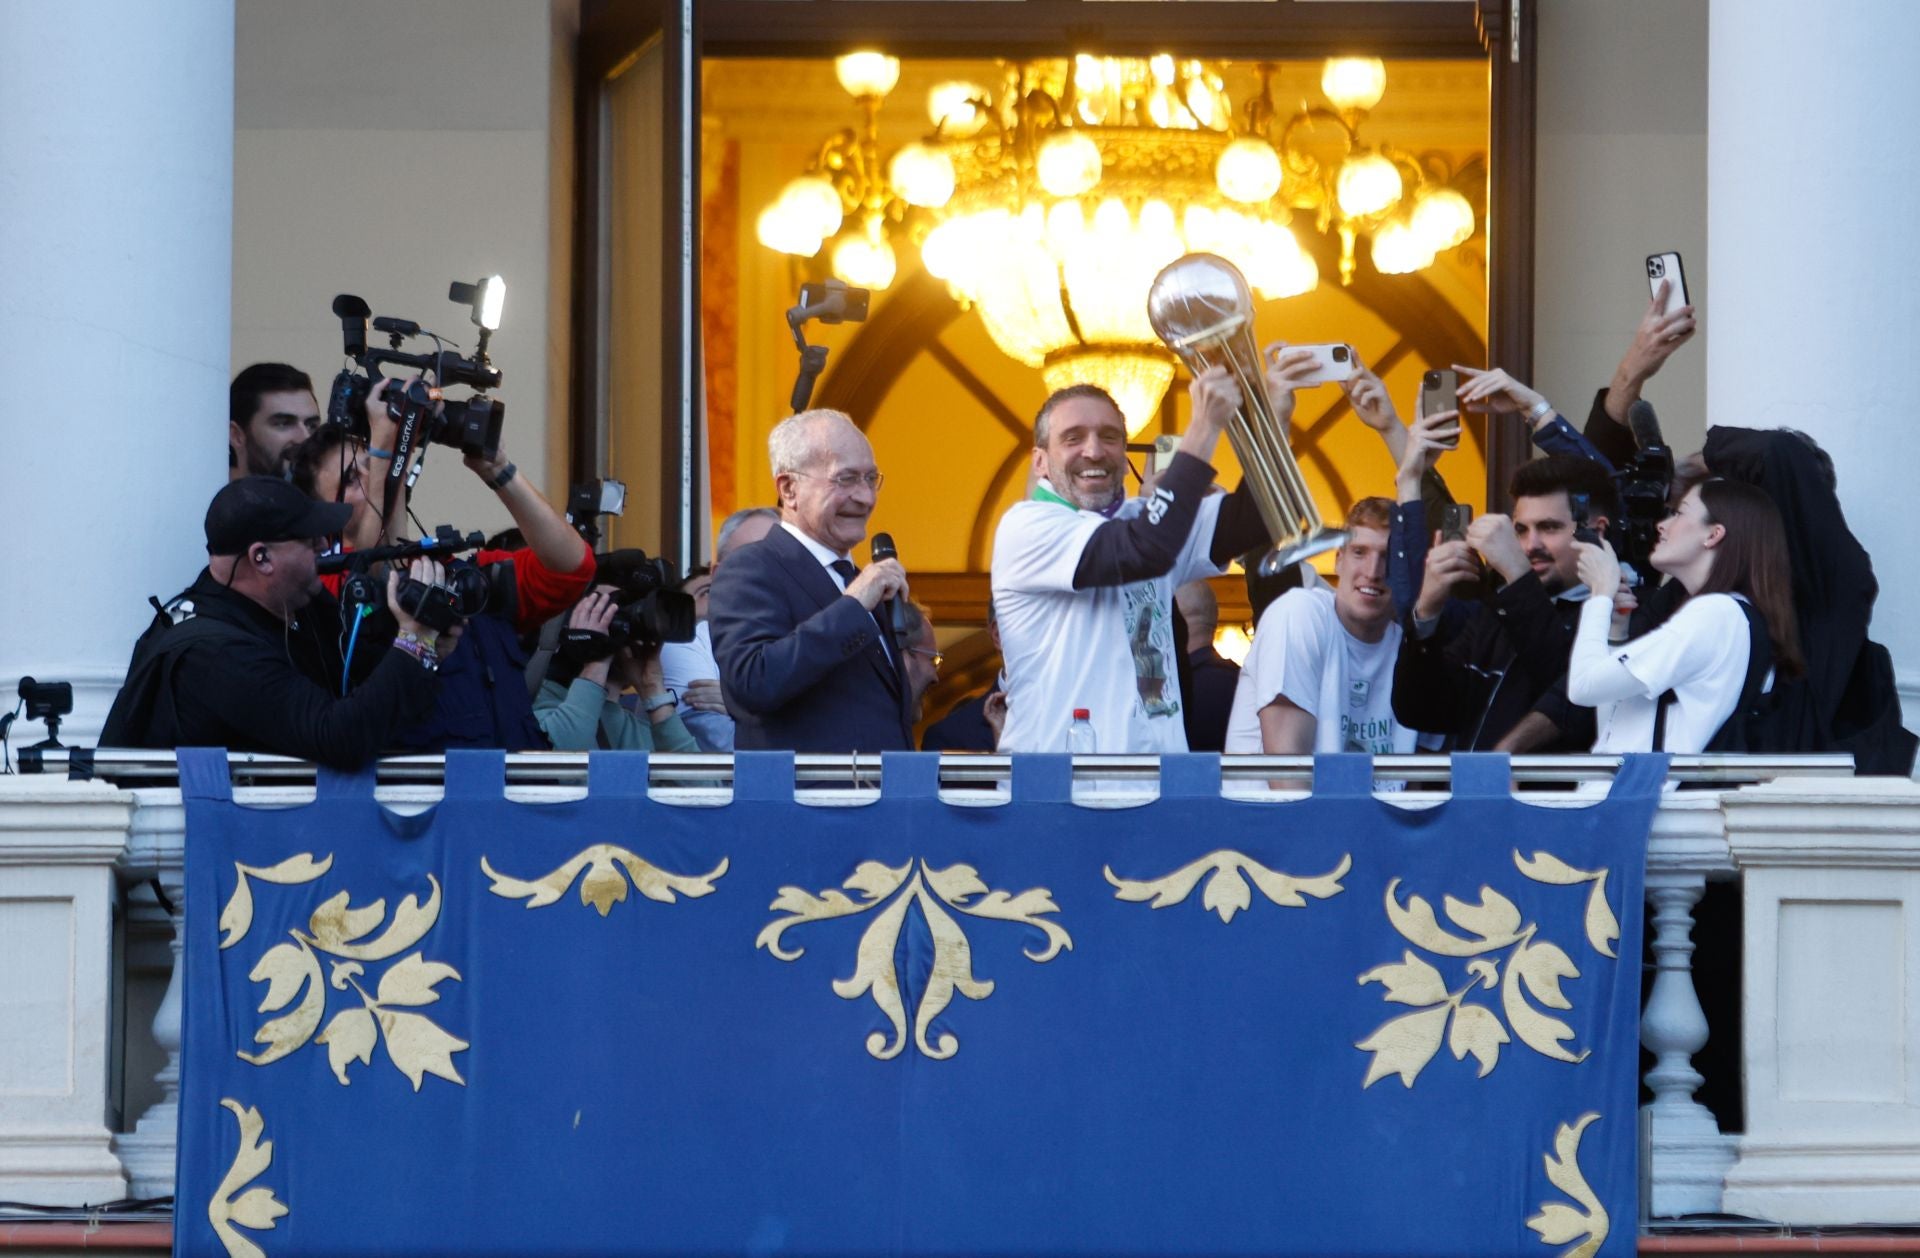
1689 1153
158 849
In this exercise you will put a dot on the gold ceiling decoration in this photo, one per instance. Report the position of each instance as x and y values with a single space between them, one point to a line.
1050 199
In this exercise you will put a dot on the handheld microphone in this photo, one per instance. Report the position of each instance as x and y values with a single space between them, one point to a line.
1645 425
883 548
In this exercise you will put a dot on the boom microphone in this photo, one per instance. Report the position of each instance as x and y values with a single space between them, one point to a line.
1645 425
896 615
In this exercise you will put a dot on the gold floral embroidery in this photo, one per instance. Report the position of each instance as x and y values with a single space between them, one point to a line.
956 887
1558 1223
603 887
255 1209
1533 968
415 1044
1227 892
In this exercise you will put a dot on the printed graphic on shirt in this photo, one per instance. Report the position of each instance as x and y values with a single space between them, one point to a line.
1152 644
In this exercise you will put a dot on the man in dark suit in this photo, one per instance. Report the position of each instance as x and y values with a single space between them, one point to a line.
804 663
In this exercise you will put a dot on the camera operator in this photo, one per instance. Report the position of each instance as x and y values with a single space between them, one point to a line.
270 407
484 700
334 466
579 706
255 663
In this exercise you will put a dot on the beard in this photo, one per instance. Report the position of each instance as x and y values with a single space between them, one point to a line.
259 463
1089 498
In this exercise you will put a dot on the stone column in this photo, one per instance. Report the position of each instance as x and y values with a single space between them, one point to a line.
116 188
58 844
1831 1012
1811 168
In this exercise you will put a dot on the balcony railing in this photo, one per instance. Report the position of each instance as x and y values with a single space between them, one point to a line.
91 886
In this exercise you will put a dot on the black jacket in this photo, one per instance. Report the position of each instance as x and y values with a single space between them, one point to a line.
1476 683
234 676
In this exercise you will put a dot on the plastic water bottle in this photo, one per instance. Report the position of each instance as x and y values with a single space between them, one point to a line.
1080 734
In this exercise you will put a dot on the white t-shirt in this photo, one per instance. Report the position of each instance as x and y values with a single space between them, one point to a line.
1109 649
682 662
1701 655
1303 652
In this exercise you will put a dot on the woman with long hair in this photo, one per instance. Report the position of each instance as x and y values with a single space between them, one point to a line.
1726 546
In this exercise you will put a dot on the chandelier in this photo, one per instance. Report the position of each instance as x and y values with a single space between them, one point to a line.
1049 200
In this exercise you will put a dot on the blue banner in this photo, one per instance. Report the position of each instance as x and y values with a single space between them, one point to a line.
1199 1026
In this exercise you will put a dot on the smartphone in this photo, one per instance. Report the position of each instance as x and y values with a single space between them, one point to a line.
1440 391
1332 364
1666 266
1582 511
852 305
1454 518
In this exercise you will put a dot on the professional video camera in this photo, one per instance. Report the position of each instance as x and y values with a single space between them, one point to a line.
471 425
469 591
1645 483
652 610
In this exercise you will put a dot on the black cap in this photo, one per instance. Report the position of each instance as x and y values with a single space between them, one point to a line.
267 509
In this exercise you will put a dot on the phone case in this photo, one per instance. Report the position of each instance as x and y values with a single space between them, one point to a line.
1441 395
1667 266
1329 368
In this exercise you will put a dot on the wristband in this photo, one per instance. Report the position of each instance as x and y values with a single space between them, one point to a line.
505 477
653 703
429 640
1539 411
408 644
374 453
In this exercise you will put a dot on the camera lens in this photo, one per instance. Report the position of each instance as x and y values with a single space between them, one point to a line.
1340 353
1656 268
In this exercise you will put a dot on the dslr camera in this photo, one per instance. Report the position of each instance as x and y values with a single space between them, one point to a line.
470 425
652 609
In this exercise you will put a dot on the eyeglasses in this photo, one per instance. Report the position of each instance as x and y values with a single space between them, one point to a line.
937 657
845 482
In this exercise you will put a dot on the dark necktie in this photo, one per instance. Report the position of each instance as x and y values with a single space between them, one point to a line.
847 573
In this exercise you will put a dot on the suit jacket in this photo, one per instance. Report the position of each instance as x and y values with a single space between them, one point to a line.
801 665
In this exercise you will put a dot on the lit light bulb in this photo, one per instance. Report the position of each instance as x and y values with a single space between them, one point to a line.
1232 643
865 74
812 206
1399 250
1066 227
1442 218
1278 266
943 250
865 259
1069 164
776 229
922 175
1354 83
1156 219
1368 184
951 107
1112 226
1248 171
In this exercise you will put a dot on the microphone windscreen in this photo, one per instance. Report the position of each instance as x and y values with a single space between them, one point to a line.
883 547
1644 424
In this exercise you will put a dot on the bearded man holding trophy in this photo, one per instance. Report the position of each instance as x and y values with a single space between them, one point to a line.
1083 576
